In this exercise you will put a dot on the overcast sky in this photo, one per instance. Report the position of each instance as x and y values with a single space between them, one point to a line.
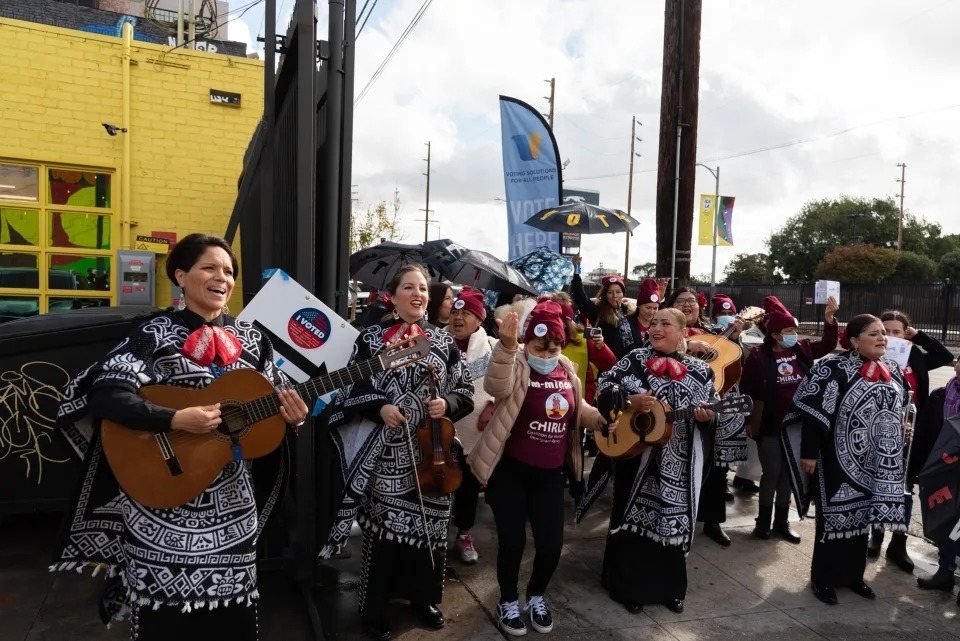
866 84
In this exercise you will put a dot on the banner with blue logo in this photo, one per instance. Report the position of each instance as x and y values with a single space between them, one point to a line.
531 175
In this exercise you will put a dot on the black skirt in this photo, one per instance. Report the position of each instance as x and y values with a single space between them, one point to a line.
392 570
838 563
643 571
236 622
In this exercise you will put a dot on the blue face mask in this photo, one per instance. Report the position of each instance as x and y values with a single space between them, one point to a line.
789 340
542 365
723 321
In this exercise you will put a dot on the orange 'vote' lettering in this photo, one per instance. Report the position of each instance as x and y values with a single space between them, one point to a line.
573 219
603 219
547 214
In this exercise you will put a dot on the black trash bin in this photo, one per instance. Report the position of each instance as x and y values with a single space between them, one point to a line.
38 357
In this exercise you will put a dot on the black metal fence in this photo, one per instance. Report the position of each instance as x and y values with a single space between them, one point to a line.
932 307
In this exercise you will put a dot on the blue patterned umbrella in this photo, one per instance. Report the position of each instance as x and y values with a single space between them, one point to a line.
546 270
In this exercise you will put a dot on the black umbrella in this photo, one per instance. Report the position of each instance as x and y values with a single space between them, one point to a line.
443 256
457 264
583 218
376 266
940 486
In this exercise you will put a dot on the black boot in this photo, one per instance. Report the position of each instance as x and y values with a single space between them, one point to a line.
942 580
762 531
873 547
781 525
897 552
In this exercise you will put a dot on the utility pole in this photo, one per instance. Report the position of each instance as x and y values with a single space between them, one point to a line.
716 220
426 211
679 106
553 86
633 139
903 181
192 31
180 23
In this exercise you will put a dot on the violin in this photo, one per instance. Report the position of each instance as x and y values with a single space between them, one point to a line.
439 472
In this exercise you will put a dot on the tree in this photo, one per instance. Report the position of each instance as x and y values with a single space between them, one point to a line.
823 225
857 264
913 267
749 269
950 266
646 270
375 225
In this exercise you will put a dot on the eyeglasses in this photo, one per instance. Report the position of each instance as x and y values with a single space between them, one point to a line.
684 302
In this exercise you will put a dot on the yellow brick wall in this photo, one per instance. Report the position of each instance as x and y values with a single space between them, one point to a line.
57 86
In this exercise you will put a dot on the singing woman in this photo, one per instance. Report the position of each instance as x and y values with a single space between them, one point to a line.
177 565
851 409
655 495
375 422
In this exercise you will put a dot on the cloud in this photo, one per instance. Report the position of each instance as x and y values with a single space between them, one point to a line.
837 74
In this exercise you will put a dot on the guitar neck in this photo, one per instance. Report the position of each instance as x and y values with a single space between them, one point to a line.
267 406
687 412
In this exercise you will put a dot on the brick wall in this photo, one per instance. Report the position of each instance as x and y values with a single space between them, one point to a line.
71 16
186 153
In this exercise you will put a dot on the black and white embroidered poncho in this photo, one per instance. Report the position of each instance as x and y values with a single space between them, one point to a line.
202 553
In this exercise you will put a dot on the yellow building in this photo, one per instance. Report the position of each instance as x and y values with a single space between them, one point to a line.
104 139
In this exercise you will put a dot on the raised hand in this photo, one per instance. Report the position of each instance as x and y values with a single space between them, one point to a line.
831 310
510 331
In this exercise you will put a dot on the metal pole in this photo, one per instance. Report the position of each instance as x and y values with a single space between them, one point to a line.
266 129
326 266
192 33
180 23
716 213
426 216
346 153
626 251
902 181
676 207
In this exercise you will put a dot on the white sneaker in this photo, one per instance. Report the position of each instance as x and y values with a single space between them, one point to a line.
468 554
508 615
540 617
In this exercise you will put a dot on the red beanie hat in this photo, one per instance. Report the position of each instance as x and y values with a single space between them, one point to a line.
613 279
778 318
471 300
723 306
566 311
649 292
546 321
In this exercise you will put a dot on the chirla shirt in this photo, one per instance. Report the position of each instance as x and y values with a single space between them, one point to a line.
539 435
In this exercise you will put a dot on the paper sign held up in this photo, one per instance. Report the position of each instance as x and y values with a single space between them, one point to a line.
824 289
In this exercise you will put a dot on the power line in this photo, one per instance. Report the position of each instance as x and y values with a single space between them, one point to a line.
793 143
369 13
396 47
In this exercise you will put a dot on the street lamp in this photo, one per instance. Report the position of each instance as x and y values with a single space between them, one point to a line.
716 211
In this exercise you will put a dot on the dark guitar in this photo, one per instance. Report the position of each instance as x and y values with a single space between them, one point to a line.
165 470
636 432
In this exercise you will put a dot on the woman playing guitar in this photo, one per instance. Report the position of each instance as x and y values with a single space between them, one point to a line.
655 494
177 564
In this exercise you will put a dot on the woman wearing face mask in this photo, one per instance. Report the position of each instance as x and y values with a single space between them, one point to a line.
520 455
771 376
943 403
921 361
851 406
374 429
655 494
615 318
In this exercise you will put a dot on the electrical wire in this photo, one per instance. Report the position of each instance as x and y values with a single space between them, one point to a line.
369 13
792 143
393 51
364 8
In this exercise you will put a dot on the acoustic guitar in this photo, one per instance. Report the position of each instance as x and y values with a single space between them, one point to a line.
636 432
725 357
168 469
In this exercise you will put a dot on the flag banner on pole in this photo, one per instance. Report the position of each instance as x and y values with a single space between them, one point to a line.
716 219
725 222
531 175
708 217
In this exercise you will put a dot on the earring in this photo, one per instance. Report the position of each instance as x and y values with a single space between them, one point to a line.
396 314
182 303
855 352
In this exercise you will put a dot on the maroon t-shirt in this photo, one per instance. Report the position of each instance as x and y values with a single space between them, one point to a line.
789 375
539 436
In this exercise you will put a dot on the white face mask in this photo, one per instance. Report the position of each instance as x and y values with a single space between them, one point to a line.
542 365
723 321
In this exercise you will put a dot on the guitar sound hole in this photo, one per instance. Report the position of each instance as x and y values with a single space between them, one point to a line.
641 424
234 421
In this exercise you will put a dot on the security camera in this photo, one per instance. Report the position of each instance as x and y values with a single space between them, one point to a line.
113 129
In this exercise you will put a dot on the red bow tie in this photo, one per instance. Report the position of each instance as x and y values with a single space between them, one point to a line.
401 331
212 344
666 367
875 371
